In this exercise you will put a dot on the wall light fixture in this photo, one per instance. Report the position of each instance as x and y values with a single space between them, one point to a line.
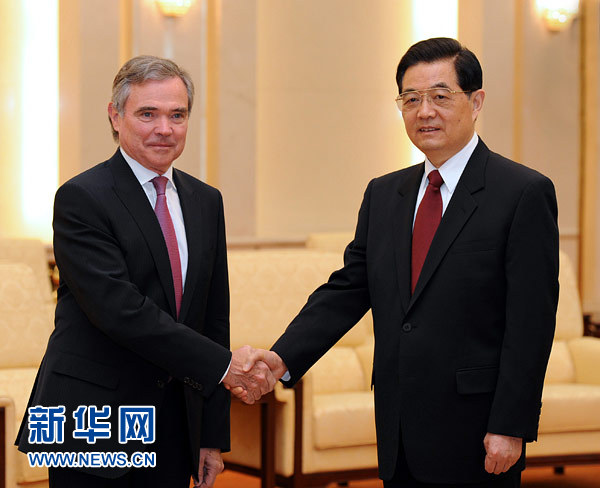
557 14
174 8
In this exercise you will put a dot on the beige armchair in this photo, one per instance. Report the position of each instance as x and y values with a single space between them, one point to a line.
26 321
569 431
31 252
323 430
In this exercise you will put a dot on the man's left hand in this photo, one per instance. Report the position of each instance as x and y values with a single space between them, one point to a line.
502 452
211 464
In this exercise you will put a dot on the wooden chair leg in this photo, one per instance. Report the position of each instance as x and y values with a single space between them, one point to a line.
267 413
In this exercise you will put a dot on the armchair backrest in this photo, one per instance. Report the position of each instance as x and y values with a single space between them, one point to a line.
25 317
269 287
569 325
31 252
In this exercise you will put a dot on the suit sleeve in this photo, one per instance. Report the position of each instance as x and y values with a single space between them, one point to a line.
331 310
92 263
531 267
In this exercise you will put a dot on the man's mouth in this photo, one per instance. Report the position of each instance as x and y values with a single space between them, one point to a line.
428 129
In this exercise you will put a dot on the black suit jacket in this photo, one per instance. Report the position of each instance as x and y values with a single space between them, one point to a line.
465 354
116 341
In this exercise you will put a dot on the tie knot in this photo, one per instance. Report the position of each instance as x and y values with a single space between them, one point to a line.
160 184
435 179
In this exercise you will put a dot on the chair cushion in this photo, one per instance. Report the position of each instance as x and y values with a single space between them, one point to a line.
570 407
27 474
16 383
343 420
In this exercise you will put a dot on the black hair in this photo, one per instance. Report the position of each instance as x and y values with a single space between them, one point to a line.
466 64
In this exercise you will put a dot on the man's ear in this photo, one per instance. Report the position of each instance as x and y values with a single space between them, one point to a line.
114 116
477 98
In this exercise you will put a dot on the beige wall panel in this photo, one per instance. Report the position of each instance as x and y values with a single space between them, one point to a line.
590 266
327 122
550 131
70 83
10 118
182 40
593 295
487 28
99 64
89 59
237 114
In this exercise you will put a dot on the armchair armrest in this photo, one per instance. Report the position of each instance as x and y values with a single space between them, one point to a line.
586 357
284 395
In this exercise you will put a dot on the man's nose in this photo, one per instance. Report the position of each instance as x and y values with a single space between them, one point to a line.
163 126
426 108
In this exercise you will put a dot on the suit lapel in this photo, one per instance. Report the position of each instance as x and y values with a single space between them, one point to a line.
192 209
403 213
461 207
130 192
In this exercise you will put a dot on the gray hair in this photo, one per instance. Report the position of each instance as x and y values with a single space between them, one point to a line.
140 69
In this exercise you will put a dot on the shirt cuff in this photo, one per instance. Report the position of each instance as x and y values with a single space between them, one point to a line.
226 371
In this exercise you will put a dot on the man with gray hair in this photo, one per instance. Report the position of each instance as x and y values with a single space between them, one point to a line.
131 391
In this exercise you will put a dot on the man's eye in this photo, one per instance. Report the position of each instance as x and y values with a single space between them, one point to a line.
146 114
412 100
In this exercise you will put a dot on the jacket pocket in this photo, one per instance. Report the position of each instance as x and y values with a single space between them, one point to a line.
86 370
476 380
473 247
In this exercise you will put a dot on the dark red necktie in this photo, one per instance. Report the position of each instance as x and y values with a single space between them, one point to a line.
427 221
166 224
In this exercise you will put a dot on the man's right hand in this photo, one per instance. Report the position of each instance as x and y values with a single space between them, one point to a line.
270 358
248 377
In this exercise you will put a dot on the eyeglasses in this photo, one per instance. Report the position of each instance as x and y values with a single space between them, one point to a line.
440 97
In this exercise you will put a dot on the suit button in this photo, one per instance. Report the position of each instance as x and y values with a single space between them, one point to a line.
199 387
186 380
160 383
406 327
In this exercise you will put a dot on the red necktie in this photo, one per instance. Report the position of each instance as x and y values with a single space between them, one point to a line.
166 224
427 221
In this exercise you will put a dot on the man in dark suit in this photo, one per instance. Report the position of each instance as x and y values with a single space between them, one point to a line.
457 257
142 318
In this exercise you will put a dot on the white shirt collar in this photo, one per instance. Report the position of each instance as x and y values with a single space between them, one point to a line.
143 174
452 169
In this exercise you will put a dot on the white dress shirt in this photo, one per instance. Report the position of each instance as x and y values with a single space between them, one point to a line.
145 176
450 171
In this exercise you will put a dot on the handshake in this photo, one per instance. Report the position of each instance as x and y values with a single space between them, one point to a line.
253 373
